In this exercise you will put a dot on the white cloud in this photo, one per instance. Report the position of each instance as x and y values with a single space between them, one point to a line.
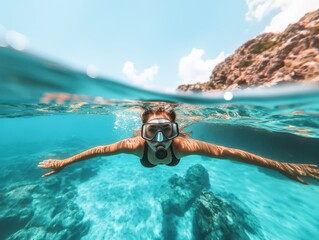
290 11
192 68
3 41
143 79
170 90
16 40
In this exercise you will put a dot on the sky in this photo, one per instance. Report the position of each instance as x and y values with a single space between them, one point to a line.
151 44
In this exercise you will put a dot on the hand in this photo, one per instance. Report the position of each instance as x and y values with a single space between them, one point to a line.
296 171
55 165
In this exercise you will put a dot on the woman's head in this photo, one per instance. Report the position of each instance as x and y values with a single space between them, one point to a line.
159 128
158 112
159 124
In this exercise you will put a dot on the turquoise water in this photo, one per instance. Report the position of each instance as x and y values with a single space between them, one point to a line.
50 111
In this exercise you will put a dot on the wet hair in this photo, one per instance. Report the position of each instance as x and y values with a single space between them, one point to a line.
170 112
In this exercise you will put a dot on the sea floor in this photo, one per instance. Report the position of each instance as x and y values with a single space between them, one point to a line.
115 197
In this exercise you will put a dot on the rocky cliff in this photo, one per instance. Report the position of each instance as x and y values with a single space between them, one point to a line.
269 59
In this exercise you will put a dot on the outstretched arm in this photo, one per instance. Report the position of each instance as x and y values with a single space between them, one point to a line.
291 170
130 145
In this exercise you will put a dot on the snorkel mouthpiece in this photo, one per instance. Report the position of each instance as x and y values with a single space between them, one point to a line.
161 152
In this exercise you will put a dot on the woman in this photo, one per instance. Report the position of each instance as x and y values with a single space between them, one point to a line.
161 143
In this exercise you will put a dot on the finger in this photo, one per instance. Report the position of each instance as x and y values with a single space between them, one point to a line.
288 167
313 176
43 165
46 161
301 181
296 169
313 171
313 165
48 174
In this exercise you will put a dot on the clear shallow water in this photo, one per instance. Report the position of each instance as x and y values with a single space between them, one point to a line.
49 111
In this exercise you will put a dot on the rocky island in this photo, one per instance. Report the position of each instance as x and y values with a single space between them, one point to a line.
269 59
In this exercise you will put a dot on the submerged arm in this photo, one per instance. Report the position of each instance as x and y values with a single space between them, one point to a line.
291 170
130 145
124 146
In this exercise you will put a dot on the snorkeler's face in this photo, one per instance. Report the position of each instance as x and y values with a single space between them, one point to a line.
154 145
159 130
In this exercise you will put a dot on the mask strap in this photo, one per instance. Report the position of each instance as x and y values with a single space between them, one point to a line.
159 120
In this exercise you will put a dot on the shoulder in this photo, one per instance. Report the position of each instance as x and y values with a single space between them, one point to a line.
132 144
188 146
128 145
183 145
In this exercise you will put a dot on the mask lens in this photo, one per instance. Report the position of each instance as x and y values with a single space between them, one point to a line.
150 130
166 129
175 130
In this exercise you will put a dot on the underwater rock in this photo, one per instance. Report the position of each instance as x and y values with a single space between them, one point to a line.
30 233
67 219
178 196
40 233
15 210
213 216
220 217
45 210
10 223
52 183
197 179
170 226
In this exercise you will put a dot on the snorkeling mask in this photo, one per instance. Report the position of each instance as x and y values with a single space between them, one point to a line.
160 130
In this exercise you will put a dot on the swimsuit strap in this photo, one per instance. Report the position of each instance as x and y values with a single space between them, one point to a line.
175 160
144 160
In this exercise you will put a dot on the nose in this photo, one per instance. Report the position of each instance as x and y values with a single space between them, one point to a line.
159 137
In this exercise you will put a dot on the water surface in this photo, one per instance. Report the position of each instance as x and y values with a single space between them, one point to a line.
50 111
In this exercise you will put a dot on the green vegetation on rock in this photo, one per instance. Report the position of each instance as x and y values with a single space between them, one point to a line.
262 46
244 63
314 30
211 85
